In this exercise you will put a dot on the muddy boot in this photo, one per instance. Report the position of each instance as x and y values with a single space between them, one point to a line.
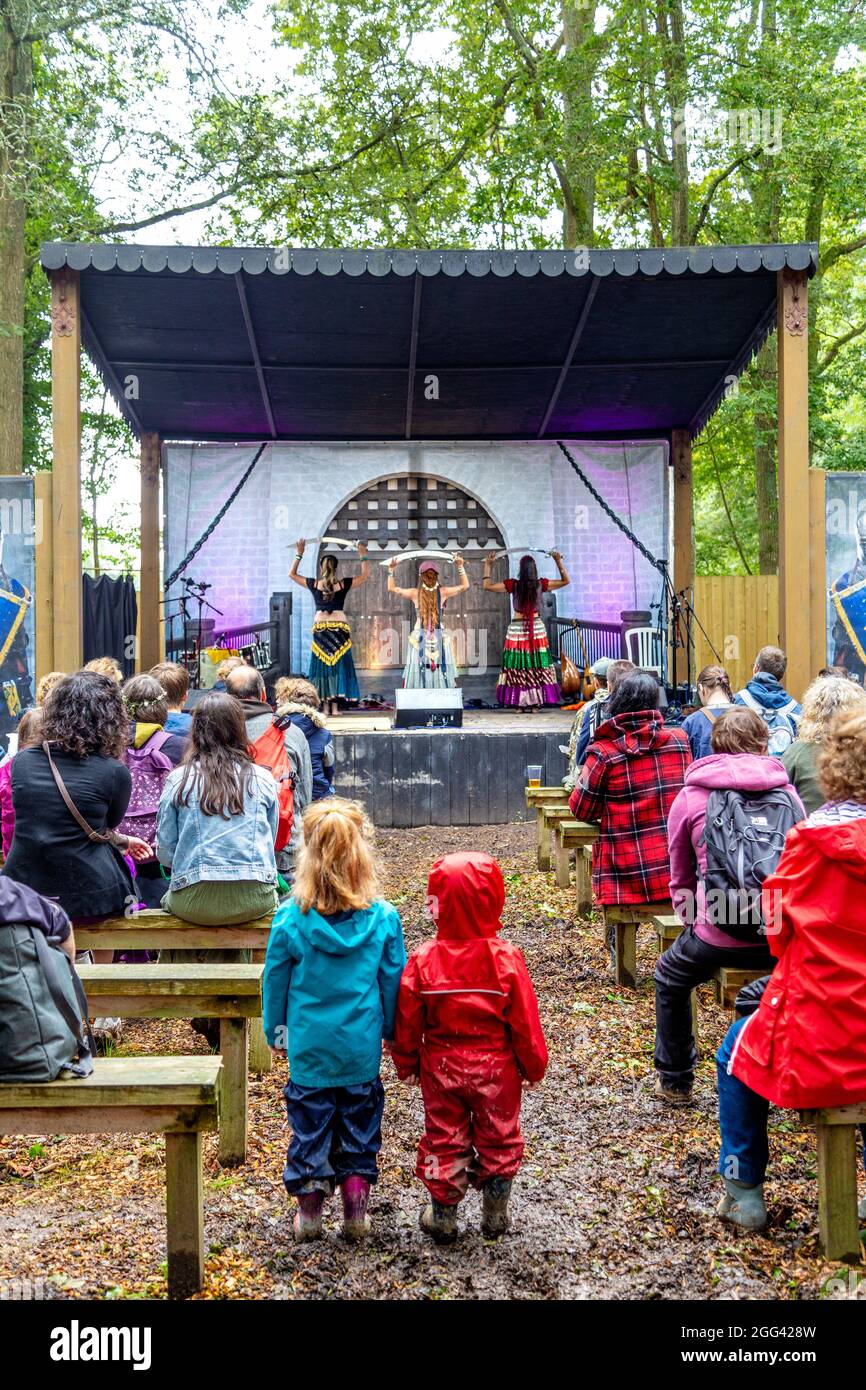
743 1205
494 1209
440 1222
307 1224
355 1193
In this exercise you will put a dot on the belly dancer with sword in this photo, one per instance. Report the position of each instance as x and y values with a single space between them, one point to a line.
332 667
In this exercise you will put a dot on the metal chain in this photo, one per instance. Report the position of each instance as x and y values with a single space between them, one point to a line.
214 524
608 511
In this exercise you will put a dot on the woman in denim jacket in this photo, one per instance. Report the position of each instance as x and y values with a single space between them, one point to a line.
218 822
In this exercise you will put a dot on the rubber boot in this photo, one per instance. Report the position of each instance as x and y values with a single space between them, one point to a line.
494 1207
440 1222
743 1205
307 1224
355 1192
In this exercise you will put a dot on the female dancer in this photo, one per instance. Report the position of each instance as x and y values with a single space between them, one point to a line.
332 669
430 659
527 677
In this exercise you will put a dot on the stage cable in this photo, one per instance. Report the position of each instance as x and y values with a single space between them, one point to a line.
206 534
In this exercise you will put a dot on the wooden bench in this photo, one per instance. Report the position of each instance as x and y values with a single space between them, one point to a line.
231 993
151 929
728 981
667 928
174 1096
621 922
838 1223
580 836
540 799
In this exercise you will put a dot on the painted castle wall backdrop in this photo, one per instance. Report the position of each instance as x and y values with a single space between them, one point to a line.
530 490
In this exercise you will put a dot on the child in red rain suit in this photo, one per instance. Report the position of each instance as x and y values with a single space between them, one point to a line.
468 1027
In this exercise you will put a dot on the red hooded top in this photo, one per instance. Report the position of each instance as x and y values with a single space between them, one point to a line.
467 991
806 1044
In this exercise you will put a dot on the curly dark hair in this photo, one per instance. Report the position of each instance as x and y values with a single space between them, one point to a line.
84 714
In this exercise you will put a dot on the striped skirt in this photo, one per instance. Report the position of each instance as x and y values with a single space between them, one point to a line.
528 675
332 667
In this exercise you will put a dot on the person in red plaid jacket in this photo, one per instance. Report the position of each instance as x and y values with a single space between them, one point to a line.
634 768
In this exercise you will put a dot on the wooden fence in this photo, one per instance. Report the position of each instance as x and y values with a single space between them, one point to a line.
741 614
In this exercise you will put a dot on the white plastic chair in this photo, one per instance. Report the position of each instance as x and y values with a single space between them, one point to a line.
643 647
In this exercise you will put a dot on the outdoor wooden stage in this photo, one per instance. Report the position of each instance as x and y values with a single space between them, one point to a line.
470 776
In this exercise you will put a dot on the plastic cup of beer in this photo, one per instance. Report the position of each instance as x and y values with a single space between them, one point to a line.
533 775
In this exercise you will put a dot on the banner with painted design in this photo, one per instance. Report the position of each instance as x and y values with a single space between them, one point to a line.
846 571
20 533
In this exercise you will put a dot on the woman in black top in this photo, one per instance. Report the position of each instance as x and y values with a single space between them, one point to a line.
332 667
87 727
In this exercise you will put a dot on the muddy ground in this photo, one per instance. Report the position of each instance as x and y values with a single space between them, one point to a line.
615 1199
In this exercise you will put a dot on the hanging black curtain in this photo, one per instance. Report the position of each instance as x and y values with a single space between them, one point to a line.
110 617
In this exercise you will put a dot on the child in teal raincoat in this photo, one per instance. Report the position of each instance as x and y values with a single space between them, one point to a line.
332 973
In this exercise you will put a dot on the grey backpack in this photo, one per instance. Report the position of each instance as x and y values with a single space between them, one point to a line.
43 1009
744 835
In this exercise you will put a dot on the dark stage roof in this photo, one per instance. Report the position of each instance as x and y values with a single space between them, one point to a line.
234 343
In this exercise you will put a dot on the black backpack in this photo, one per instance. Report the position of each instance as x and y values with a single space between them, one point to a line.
744 835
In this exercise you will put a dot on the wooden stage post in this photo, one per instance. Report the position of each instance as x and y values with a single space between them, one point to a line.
43 605
684 528
149 589
795 596
66 489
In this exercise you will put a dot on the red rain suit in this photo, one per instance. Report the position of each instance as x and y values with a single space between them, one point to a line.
467 1023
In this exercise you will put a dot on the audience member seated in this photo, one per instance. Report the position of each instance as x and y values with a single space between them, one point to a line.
595 714
174 680
634 768
218 821
225 668
105 666
29 727
68 806
804 1047
825 698
714 692
298 700
47 683
246 684
713 935
150 757
766 695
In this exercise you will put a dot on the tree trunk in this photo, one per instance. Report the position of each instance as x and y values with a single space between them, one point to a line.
578 24
670 27
15 99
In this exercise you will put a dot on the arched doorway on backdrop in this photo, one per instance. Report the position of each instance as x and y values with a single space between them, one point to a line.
415 512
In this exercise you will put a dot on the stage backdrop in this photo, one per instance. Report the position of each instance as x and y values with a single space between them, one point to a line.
846 571
529 494
20 533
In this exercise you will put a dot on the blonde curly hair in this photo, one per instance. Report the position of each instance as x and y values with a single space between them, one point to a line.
105 666
842 760
825 698
47 683
296 690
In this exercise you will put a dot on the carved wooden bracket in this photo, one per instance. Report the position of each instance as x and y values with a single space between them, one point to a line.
796 309
63 308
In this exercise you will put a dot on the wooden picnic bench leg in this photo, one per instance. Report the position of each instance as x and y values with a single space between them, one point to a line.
234 1043
837 1191
543 834
561 862
261 1060
583 876
184 1213
625 954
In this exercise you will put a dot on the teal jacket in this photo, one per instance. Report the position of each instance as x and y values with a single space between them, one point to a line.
330 991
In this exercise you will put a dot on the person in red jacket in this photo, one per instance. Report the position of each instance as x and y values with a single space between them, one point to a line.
805 1045
468 1029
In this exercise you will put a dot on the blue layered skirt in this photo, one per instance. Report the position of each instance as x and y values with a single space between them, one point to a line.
332 666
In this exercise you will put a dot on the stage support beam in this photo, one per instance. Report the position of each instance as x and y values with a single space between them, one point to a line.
149 593
684 530
66 488
43 604
795 585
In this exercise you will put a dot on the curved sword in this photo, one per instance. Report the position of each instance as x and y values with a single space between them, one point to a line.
420 555
522 550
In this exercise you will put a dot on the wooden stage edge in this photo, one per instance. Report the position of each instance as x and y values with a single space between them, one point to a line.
470 776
